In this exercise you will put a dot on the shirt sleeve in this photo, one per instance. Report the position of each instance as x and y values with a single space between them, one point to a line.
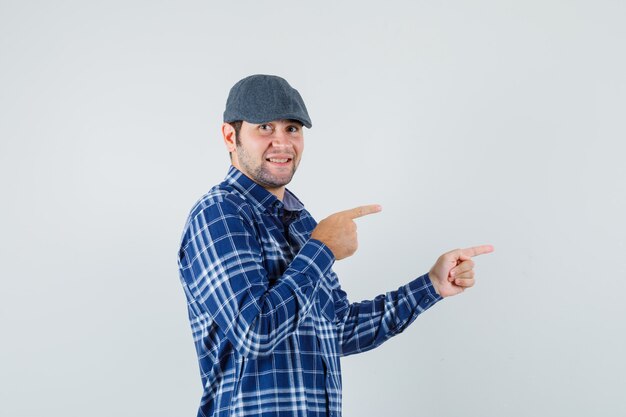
221 262
365 325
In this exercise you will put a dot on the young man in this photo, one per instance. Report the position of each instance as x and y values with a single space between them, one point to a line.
269 318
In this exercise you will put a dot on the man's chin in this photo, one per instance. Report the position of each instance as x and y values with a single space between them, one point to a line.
277 184
276 181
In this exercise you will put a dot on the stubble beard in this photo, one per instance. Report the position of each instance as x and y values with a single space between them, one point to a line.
260 174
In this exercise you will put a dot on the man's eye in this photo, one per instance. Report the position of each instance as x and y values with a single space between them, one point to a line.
293 129
265 127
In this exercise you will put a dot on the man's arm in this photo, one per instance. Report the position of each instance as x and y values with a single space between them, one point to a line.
222 265
365 325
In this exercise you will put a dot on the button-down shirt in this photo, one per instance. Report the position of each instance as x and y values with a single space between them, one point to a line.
268 316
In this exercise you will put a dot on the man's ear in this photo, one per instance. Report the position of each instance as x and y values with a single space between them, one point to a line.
229 134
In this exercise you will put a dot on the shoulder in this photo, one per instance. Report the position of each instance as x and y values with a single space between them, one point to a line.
221 200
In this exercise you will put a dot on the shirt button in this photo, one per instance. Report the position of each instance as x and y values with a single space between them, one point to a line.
427 300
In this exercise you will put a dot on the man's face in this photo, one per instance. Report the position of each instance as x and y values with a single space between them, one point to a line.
269 153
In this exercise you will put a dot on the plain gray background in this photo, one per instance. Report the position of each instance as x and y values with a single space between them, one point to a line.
470 122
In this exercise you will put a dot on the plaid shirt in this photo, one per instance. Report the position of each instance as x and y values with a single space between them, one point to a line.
268 317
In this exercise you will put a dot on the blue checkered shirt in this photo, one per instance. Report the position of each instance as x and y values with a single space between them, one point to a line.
268 316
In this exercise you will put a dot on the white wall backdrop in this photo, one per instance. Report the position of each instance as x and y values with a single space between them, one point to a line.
471 122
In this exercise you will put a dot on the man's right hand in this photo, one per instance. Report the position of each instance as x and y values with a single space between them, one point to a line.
338 231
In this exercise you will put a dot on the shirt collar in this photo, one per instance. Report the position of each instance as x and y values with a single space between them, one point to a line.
259 196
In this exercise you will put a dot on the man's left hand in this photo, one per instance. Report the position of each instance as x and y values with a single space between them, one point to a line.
454 271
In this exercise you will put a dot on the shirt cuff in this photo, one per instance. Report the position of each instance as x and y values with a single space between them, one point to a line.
424 292
316 256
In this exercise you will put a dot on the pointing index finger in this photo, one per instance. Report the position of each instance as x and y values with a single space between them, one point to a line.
477 250
363 211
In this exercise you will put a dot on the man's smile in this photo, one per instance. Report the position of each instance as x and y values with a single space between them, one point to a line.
280 160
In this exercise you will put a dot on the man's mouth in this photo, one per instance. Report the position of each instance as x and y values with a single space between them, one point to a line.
279 161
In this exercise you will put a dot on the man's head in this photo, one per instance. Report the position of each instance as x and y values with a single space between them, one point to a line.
263 130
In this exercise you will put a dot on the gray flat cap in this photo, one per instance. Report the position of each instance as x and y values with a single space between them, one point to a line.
262 98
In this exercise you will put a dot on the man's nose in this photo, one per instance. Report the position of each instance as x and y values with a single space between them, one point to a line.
280 138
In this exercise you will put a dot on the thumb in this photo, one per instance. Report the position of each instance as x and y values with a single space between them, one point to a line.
463 257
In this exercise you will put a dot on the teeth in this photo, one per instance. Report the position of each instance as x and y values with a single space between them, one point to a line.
278 160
